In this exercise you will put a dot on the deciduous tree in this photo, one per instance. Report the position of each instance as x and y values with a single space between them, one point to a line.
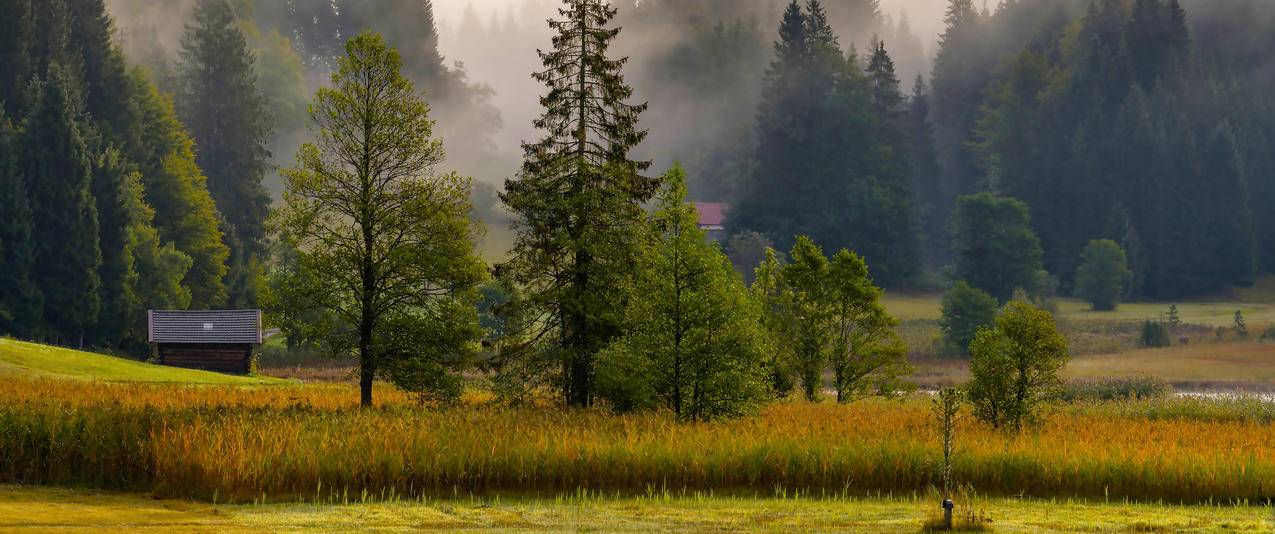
1014 367
1104 274
693 340
965 310
388 239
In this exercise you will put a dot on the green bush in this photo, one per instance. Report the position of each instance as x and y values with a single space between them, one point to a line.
1103 275
965 310
1154 334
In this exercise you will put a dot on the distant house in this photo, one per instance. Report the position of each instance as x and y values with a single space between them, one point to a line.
711 217
212 340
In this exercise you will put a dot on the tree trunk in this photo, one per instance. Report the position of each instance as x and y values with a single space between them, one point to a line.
367 367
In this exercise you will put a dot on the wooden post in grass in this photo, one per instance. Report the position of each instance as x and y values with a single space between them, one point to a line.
947 407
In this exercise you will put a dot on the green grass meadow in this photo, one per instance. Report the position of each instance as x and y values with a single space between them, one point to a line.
43 361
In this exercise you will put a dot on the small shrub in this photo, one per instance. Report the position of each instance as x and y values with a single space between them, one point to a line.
1154 334
1269 333
965 310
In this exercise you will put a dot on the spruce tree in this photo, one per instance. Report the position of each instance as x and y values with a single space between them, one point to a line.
958 78
219 102
578 197
15 57
925 177
117 271
807 179
65 229
21 302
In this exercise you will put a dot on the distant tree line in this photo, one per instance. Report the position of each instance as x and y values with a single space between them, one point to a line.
1119 120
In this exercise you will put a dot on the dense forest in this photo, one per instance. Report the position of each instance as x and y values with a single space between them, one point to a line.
141 141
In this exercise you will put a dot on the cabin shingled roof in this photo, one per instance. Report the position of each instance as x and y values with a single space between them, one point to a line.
204 326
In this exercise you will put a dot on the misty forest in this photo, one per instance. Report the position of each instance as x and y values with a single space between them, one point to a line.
652 249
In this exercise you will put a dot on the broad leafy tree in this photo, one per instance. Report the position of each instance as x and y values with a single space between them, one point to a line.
578 200
1104 274
1014 367
693 340
867 356
387 238
829 312
965 310
769 291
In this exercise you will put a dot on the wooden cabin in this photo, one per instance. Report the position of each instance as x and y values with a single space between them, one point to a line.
212 340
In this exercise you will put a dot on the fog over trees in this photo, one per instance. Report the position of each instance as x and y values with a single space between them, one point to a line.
1139 121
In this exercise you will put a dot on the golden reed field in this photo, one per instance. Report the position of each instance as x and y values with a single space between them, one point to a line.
313 443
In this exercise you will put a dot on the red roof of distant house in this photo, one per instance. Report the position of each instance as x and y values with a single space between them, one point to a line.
711 213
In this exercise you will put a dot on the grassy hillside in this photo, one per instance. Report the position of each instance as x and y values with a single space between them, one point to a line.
34 360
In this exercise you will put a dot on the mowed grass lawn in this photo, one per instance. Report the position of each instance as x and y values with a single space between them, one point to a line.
32 509
43 361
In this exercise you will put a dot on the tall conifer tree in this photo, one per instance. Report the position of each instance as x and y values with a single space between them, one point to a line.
118 270
20 300
56 169
959 75
578 198
219 102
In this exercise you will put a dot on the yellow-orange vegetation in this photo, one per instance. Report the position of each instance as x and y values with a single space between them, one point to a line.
313 442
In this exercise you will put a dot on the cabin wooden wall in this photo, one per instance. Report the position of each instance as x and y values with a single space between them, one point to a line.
222 358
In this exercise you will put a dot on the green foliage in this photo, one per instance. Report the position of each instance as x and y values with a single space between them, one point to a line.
808 316
384 241
219 102
816 102
825 314
1014 367
1240 325
20 299
288 309
55 165
1154 334
1172 317
185 213
965 310
111 179
693 340
996 249
578 202
769 291
867 356
1103 275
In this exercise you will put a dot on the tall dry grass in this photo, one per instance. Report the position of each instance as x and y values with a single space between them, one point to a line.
314 443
